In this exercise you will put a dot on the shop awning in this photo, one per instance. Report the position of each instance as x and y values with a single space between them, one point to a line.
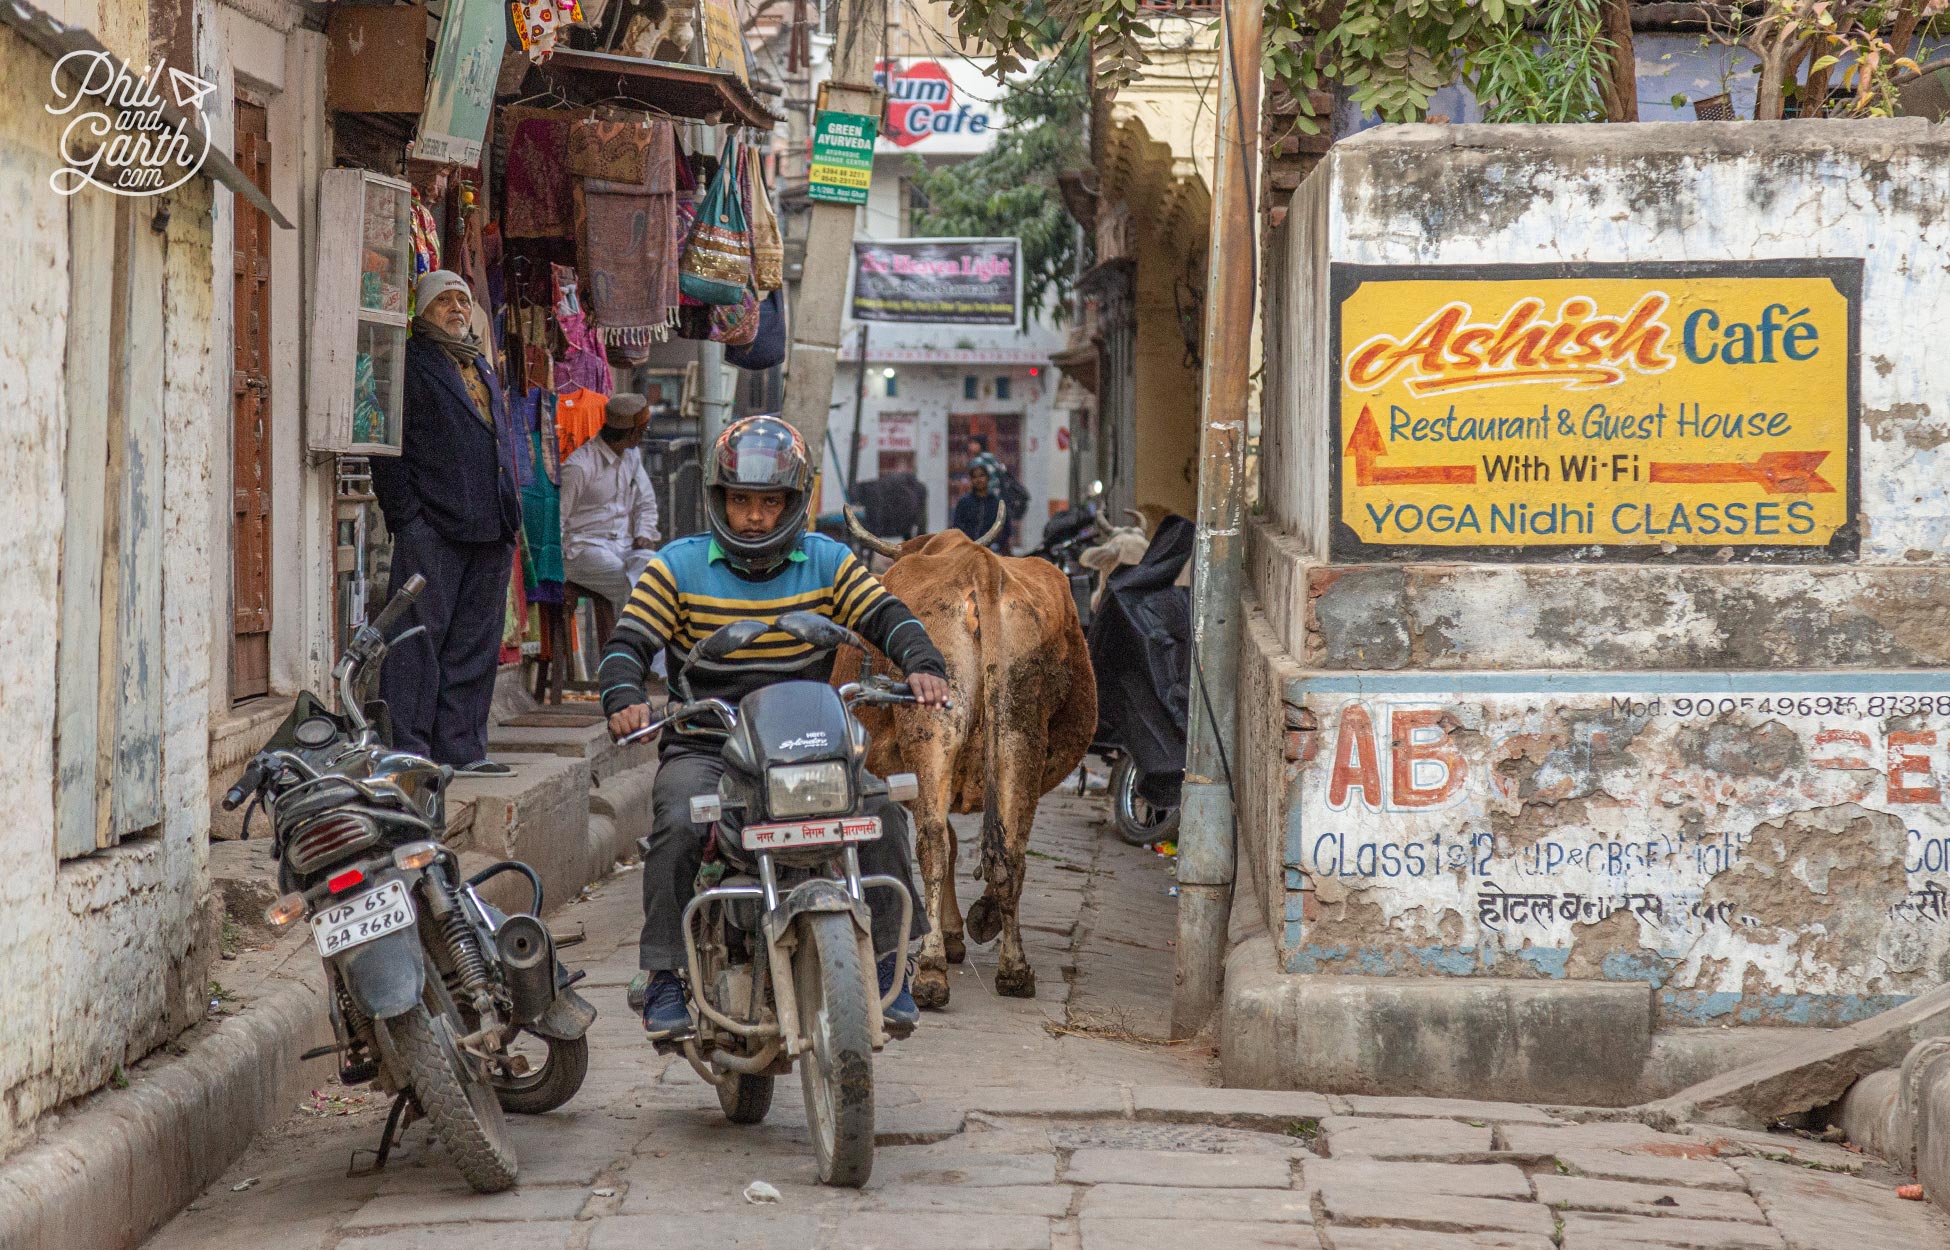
708 95
58 40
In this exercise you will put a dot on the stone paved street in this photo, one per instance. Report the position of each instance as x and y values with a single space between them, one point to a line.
1019 1125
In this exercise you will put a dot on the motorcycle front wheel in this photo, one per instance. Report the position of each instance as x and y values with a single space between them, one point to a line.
836 1071
745 1098
1139 822
550 1084
464 1114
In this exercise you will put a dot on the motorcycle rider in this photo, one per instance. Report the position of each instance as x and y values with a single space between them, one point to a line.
757 562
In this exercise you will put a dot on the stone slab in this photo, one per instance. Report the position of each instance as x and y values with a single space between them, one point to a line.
1413 1239
533 1235
1448 1109
917 1165
1531 1139
1268 1109
1580 1193
1070 1104
1650 1169
1825 1211
1170 1202
461 1206
1359 1204
1181 1168
906 1230
1045 1200
1461 1180
752 1230
1584 1231
1436 1140
1099 1233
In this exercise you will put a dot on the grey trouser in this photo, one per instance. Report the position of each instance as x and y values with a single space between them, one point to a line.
677 848
611 574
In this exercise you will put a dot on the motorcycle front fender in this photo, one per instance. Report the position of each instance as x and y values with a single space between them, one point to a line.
384 978
566 1019
818 894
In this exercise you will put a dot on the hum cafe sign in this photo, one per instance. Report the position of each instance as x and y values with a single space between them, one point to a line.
942 107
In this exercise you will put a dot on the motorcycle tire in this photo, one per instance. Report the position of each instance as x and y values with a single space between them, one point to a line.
465 1116
1138 823
836 1071
746 1099
550 1085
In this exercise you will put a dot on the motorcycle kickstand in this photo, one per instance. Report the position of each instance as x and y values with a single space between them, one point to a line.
390 1136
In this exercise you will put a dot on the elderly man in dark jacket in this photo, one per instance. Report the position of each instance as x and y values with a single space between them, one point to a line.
453 504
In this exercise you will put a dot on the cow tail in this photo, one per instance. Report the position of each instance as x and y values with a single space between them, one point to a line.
995 838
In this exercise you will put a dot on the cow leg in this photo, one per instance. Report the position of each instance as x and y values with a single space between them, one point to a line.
1005 846
935 844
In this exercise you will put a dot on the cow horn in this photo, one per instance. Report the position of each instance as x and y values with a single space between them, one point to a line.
1137 518
995 531
870 541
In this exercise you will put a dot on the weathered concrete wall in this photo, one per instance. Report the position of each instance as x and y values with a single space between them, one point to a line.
105 957
1717 772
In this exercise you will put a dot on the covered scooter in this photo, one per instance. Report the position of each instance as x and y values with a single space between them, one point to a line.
1141 651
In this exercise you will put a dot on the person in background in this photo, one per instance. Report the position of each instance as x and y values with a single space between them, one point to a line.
976 511
609 510
452 503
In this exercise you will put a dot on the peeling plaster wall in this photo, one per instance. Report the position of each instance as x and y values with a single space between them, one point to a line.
1726 781
102 958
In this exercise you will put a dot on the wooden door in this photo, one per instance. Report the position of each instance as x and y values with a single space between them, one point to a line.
250 405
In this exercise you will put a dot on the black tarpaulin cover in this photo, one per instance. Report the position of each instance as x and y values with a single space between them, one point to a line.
1141 651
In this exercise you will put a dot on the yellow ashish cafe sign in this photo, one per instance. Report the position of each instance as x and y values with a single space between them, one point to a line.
1597 412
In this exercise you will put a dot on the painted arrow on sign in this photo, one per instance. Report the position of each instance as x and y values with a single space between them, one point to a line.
1366 447
1781 472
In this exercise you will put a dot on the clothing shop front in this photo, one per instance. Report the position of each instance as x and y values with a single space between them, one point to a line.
609 213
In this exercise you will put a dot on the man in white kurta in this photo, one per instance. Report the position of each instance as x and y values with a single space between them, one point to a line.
609 510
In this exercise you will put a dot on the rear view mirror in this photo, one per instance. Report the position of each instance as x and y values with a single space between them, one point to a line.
818 631
730 638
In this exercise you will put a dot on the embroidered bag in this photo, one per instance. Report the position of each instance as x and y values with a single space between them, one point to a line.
614 151
768 250
717 263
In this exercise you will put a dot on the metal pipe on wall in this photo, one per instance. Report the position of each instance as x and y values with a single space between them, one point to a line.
1206 826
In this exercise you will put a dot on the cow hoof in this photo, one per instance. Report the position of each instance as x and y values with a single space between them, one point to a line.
930 988
1015 982
957 949
983 923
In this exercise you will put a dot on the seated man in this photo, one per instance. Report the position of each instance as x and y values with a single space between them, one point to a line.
757 562
609 511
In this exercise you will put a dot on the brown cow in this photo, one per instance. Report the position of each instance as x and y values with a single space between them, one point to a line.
1025 708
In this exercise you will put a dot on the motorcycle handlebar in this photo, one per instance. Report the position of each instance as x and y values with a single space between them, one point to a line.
389 616
246 786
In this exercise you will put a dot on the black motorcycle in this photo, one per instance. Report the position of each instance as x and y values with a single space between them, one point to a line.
1065 536
778 938
436 996
1141 651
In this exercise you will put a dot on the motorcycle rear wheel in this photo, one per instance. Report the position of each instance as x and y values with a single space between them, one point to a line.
746 1099
464 1114
1138 822
836 1071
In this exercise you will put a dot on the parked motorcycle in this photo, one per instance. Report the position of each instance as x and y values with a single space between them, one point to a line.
1065 535
436 996
778 938
1141 652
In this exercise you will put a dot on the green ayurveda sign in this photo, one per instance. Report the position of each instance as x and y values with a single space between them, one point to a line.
842 157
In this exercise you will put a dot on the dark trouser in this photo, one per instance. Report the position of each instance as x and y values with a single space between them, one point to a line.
677 848
439 685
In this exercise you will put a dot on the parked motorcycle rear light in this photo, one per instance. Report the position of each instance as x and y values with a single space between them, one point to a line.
329 839
415 855
287 909
345 880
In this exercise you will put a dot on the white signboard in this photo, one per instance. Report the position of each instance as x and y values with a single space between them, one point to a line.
897 430
940 106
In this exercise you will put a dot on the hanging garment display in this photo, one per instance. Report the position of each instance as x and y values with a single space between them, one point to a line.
537 23
613 150
579 414
623 233
537 187
426 237
717 261
768 249
541 498
581 363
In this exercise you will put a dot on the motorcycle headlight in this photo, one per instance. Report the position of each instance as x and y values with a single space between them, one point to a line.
806 789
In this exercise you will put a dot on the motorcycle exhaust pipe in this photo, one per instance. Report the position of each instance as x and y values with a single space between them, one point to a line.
528 965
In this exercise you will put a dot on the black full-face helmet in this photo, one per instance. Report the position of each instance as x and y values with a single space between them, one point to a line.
758 453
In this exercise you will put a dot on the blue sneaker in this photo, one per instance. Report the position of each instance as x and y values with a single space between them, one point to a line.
666 1007
901 1015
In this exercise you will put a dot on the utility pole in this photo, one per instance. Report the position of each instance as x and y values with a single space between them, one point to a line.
829 237
859 402
1205 840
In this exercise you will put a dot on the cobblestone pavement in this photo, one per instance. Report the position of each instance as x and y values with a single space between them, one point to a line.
1019 1125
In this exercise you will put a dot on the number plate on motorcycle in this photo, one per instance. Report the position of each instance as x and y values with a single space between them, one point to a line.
810 833
362 918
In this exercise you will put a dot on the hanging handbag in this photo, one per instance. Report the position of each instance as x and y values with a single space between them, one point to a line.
767 348
735 325
768 249
717 263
